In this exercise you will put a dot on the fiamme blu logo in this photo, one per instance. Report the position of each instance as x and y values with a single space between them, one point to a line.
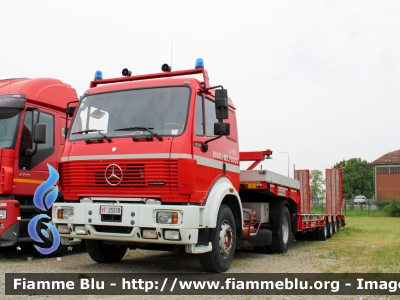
43 198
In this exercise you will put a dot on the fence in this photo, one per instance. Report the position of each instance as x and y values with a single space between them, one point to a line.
319 206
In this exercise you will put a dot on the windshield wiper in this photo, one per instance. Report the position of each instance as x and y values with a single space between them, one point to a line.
148 129
103 136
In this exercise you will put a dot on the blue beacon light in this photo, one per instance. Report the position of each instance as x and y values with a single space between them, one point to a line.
98 75
199 63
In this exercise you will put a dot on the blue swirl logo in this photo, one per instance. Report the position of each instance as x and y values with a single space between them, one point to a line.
43 198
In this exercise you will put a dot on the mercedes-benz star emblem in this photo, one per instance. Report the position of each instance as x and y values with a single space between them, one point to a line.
113 174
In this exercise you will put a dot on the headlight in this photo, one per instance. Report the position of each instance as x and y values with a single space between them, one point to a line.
65 213
168 217
3 214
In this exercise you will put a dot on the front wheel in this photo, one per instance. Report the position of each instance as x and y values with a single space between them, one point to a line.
281 241
105 253
223 242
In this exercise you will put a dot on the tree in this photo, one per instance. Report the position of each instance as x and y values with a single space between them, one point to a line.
316 185
356 179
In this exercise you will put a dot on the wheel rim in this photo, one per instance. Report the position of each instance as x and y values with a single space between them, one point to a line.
225 239
285 230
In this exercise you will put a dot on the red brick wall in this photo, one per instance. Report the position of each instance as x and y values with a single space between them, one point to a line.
388 186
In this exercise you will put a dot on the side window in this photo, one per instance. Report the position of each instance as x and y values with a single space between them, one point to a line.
210 117
43 150
199 118
26 139
49 120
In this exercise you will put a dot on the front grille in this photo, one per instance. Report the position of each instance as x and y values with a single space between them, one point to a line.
133 175
83 176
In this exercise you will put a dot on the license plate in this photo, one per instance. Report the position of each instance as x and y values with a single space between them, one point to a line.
110 210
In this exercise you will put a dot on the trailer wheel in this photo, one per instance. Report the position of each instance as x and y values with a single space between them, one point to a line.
105 253
223 242
330 228
313 235
335 226
281 241
323 232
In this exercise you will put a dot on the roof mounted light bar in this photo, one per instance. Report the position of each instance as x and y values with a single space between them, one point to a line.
199 69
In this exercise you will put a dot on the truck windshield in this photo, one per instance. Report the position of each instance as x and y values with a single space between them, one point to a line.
163 110
9 120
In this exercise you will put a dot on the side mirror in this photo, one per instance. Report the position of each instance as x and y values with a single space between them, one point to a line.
39 133
70 110
222 128
221 104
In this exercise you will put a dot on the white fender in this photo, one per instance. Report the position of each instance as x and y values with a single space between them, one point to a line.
218 192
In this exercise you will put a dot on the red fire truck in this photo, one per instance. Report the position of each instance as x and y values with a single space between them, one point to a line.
152 161
32 116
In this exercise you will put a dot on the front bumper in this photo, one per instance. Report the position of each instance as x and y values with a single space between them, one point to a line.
129 226
10 226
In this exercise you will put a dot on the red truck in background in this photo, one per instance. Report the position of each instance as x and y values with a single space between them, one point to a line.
32 118
152 161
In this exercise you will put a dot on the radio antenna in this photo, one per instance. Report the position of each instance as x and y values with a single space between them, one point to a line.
172 41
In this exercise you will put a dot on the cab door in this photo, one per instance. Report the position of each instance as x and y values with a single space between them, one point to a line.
222 157
31 171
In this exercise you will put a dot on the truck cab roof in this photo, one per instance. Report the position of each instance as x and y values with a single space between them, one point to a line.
51 92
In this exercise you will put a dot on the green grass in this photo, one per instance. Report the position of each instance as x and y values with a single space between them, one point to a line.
370 245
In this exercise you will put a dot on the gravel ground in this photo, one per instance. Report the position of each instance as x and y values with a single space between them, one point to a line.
299 259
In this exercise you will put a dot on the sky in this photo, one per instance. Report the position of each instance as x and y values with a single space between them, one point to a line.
314 81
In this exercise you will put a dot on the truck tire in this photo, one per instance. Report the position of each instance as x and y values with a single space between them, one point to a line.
335 226
281 241
330 228
313 235
105 253
223 242
323 232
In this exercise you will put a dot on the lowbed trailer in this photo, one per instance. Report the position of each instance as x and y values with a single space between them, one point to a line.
152 161
283 203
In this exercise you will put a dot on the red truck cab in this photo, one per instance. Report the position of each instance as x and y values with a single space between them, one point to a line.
24 105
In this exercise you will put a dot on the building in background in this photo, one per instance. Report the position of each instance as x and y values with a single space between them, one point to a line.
386 176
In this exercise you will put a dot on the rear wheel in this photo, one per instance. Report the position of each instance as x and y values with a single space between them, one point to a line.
223 242
313 235
323 232
335 226
330 228
281 241
105 253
